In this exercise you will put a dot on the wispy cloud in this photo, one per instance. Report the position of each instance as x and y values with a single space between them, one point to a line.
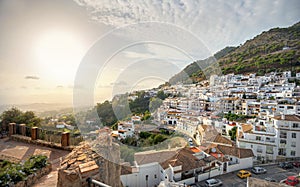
219 23
32 77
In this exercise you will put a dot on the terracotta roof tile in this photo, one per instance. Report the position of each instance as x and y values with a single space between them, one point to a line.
246 127
186 159
182 157
289 118
154 156
235 151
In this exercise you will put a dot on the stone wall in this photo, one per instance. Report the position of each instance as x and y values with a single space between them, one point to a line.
33 178
25 139
84 162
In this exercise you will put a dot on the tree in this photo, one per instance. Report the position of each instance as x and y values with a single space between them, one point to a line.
141 104
161 95
155 103
146 116
106 113
68 119
232 133
14 115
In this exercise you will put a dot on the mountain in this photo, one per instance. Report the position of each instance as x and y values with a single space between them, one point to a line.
40 108
275 50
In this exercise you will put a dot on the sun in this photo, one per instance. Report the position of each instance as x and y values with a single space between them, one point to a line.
58 54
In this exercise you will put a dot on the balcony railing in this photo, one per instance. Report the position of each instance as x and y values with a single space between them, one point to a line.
282 145
92 182
270 152
283 136
257 141
270 141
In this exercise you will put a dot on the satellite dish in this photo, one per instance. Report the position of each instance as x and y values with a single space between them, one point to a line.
213 150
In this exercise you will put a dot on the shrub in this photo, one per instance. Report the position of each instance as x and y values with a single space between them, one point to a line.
13 173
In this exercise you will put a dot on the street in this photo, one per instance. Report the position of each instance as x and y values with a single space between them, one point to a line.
273 171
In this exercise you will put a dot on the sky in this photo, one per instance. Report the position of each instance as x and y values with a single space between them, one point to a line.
62 51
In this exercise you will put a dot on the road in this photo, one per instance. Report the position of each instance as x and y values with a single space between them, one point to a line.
273 171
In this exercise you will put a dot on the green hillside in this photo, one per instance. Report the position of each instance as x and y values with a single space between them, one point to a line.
275 50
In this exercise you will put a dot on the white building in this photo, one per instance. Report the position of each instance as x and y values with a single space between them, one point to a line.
125 129
272 139
188 125
231 158
288 135
260 137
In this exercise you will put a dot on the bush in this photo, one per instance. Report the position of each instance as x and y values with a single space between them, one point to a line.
13 173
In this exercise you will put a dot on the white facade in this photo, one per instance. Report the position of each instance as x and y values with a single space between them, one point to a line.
125 129
146 175
288 135
273 139
188 125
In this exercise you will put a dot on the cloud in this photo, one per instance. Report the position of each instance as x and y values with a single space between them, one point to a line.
32 77
218 23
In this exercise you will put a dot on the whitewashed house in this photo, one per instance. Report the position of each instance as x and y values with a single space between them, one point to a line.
125 129
287 129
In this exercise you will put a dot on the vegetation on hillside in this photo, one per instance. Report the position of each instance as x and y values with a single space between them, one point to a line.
275 50
145 139
237 117
122 108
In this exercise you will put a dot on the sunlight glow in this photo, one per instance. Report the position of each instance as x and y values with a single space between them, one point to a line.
59 54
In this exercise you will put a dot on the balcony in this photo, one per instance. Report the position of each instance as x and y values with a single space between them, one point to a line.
257 141
283 136
270 141
282 145
284 126
270 152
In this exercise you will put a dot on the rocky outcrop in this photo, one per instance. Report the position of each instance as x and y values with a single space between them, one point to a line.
85 161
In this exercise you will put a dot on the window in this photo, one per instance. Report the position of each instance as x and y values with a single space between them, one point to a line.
293 153
295 125
259 149
269 150
290 107
258 138
155 176
293 144
282 141
282 152
293 135
282 134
